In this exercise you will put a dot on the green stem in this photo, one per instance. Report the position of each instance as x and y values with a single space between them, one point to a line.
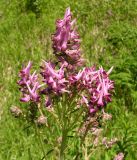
83 139
40 141
63 144
76 120
64 128
85 134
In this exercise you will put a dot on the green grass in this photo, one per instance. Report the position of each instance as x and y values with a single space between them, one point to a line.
108 31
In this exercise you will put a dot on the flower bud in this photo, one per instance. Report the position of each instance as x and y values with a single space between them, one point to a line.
106 116
109 143
96 131
119 156
59 140
15 111
42 120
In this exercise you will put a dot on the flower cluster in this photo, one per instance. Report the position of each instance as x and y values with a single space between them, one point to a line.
55 79
29 85
66 42
96 85
93 86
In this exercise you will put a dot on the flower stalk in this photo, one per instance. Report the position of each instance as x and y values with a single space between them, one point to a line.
64 127
64 92
40 141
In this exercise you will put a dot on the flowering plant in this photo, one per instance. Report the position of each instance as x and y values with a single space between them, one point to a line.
66 93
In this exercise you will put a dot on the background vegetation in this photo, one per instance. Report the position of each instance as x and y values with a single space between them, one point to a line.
108 31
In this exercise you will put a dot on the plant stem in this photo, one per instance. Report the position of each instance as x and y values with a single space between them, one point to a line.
63 144
64 128
40 141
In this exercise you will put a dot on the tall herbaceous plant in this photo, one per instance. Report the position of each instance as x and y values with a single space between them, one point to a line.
65 98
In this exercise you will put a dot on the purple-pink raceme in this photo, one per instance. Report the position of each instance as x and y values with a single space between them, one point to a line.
54 79
66 41
96 86
29 85
61 37
56 83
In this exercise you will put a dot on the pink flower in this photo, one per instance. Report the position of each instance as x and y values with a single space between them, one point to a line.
98 87
61 36
62 76
54 79
66 42
119 156
24 74
29 85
